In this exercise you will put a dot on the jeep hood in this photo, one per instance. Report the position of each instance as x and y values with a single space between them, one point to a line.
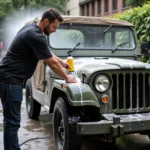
89 66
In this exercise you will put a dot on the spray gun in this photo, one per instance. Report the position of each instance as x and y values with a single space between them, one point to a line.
70 59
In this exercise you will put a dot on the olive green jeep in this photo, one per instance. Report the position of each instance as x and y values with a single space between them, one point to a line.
112 96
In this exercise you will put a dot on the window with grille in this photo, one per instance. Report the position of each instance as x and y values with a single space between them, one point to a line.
114 6
93 9
99 7
87 8
106 6
124 4
68 12
82 10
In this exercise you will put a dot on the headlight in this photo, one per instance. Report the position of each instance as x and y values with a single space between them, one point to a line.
102 83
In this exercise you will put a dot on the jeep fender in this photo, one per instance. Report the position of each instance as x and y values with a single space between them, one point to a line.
78 94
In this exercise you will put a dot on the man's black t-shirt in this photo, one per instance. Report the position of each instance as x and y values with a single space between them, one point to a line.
27 48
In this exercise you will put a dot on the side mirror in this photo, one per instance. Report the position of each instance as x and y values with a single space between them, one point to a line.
145 47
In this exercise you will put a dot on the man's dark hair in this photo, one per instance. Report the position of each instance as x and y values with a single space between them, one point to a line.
52 14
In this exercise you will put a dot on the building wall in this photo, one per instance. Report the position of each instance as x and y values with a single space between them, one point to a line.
90 7
73 8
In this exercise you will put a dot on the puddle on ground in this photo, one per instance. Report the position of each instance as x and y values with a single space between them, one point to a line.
1 127
1 109
31 125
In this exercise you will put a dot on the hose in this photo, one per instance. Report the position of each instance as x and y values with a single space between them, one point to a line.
46 137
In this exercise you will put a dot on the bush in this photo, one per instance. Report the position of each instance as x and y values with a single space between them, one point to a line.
140 18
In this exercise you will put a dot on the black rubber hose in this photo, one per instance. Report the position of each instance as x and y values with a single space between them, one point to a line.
46 137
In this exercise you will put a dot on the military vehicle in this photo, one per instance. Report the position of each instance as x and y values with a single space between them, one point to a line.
112 96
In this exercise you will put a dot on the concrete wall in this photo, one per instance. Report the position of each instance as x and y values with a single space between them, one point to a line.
73 7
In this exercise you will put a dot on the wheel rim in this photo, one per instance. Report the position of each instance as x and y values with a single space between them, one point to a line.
60 131
28 100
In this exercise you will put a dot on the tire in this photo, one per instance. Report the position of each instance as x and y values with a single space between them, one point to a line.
32 106
64 128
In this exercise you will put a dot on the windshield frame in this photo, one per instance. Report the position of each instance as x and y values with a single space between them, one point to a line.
69 26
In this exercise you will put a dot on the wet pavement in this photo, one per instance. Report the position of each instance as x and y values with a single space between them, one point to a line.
31 129
37 135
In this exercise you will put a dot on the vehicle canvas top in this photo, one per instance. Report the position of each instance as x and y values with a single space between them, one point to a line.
92 20
95 20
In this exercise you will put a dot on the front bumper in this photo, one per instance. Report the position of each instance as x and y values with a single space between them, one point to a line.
116 125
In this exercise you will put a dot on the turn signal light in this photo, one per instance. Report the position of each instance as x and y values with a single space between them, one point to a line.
105 99
64 86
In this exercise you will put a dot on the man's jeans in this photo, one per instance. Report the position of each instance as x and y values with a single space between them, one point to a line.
11 97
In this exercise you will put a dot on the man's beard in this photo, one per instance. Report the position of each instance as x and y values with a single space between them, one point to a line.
46 30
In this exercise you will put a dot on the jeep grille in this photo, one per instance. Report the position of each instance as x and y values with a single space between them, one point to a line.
131 92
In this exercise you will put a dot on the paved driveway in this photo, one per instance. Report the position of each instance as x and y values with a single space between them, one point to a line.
31 129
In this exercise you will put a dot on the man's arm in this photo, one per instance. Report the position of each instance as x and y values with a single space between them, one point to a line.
63 63
55 65
60 60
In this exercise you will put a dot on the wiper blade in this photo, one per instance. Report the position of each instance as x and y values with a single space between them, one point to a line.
68 52
121 44
107 28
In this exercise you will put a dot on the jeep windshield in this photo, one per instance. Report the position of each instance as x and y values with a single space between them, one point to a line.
93 37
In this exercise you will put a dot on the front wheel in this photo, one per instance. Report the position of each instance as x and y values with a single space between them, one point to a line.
64 128
32 106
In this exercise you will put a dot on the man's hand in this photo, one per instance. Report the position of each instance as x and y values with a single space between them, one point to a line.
71 79
55 65
65 64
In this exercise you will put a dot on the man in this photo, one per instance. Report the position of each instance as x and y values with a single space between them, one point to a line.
28 47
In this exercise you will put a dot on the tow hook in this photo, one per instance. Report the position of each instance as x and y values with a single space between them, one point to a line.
117 129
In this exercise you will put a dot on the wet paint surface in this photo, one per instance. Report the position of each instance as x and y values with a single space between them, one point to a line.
31 129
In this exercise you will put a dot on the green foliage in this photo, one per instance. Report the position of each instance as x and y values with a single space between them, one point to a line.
17 4
135 3
5 9
140 18
146 59
8 7
58 4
